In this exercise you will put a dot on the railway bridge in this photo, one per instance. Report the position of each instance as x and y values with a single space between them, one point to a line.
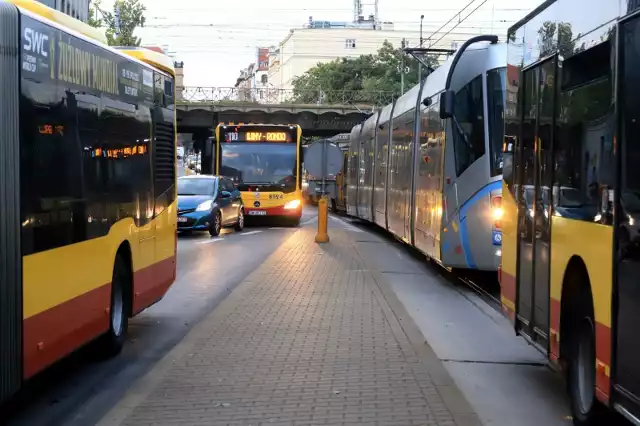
318 112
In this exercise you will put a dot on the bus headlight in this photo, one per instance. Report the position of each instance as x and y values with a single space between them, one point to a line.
293 204
207 205
498 213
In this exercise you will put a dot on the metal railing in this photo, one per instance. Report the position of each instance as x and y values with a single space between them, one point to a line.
273 96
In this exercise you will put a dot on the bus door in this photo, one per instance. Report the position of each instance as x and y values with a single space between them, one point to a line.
534 193
627 345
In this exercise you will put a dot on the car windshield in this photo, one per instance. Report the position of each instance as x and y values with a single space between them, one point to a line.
190 186
260 163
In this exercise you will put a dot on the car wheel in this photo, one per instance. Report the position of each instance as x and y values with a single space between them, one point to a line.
216 226
240 222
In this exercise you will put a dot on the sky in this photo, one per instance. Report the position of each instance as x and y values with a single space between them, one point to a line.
216 39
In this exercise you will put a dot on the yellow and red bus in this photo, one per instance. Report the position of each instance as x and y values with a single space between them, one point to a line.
87 186
571 193
265 163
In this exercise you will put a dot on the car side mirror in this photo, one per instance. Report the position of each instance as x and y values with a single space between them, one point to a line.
447 100
225 194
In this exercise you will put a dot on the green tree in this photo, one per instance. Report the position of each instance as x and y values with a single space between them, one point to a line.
94 21
365 79
131 17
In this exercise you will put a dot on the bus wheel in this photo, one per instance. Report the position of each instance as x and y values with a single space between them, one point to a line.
585 408
113 341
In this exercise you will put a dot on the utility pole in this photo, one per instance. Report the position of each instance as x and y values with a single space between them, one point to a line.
404 44
420 62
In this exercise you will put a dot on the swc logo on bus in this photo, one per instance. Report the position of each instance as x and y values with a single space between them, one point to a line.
37 43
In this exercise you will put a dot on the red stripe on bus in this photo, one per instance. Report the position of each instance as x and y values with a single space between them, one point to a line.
151 283
58 331
508 286
276 211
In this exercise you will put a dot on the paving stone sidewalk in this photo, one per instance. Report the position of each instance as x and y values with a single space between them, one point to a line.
312 337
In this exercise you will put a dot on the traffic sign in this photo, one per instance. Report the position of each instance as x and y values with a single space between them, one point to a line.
323 159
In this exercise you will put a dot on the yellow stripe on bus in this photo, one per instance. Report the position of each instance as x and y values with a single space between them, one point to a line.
56 276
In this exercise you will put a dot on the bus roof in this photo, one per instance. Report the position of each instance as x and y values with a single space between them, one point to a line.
151 57
530 16
60 18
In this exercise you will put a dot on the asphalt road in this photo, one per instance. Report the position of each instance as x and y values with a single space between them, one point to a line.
82 388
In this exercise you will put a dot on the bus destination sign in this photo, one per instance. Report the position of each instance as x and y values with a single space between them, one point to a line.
258 135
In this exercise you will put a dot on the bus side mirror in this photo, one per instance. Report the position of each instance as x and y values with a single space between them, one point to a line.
447 100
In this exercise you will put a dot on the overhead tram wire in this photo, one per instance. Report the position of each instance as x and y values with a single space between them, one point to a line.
286 26
321 11
463 19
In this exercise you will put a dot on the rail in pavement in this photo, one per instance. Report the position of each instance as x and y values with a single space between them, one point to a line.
313 336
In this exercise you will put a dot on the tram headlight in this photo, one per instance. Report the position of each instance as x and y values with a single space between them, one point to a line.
496 208
498 213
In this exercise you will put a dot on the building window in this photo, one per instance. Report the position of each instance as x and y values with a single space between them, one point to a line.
264 78
350 43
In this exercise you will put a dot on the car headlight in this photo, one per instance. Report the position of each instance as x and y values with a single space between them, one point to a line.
293 204
207 205
531 212
631 220
498 213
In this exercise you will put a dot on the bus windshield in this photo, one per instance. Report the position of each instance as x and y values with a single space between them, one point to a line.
496 81
260 164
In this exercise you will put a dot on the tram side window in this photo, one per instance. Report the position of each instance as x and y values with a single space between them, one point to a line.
583 158
468 132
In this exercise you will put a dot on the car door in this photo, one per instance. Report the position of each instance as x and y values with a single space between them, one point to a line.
236 196
225 200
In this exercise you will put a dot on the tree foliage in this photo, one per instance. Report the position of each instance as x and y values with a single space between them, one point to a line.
131 17
372 76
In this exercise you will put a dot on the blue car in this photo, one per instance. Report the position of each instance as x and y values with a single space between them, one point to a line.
208 203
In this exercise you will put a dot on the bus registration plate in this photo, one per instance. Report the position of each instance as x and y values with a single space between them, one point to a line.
257 212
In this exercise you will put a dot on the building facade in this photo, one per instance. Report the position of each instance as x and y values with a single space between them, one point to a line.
78 9
304 48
